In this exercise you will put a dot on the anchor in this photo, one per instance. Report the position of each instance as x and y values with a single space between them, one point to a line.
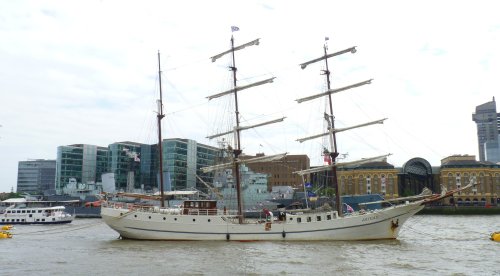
394 225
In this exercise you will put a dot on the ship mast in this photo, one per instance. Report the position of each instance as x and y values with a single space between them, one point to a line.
235 164
333 138
160 151
330 119
237 150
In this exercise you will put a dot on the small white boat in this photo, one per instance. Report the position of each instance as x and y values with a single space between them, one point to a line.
33 212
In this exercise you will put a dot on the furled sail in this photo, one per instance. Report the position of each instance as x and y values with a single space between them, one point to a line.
246 127
352 50
239 88
251 43
337 130
333 91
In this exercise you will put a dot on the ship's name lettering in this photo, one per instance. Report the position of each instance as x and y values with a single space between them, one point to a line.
370 218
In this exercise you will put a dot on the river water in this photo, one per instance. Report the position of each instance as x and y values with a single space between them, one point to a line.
427 245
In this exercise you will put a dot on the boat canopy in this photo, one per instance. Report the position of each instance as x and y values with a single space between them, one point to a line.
15 200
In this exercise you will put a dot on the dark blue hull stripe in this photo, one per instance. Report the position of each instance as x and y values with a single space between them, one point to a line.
36 222
267 233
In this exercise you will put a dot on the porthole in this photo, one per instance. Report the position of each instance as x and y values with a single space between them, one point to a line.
149 217
175 218
194 219
291 218
164 218
208 220
135 216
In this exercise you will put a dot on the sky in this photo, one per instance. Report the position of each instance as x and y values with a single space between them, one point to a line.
86 72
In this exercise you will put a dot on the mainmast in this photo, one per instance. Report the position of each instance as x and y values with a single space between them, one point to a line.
160 151
237 150
237 128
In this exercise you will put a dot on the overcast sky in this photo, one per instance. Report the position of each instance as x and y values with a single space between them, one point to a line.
85 72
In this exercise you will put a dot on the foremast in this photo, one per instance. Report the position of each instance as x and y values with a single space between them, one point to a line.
330 119
238 128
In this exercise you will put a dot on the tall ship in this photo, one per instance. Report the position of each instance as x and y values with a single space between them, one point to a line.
204 220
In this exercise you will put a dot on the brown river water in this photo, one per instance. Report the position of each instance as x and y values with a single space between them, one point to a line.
427 245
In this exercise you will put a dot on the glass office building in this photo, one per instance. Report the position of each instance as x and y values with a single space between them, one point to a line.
183 160
488 124
36 176
85 163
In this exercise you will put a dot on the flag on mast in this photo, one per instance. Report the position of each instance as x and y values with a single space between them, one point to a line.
234 29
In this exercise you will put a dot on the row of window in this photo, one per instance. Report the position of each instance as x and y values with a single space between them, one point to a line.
23 211
299 219
23 220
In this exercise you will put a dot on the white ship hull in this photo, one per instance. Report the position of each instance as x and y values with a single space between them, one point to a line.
173 225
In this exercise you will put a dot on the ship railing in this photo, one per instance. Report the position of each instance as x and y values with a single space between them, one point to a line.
170 210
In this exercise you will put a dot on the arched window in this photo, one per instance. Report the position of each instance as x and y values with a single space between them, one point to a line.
368 185
481 184
390 185
375 184
383 184
350 185
450 181
497 183
361 185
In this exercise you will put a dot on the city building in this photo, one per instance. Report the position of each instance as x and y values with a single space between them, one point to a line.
124 161
183 160
417 174
85 163
370 178
280 172
488 124
36 176
458 170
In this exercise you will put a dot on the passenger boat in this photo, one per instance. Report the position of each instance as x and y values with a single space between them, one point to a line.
21 211
204 220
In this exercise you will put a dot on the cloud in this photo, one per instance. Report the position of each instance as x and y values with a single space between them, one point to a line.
86 72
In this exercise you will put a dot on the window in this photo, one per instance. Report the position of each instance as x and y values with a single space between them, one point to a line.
309 219
299 220
318 218
328 217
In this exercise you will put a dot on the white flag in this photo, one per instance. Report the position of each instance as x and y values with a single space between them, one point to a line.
234 29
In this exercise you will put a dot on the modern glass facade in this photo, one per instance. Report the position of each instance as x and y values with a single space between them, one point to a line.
121 161
149 166
36 176
488 124
85 163
183 160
